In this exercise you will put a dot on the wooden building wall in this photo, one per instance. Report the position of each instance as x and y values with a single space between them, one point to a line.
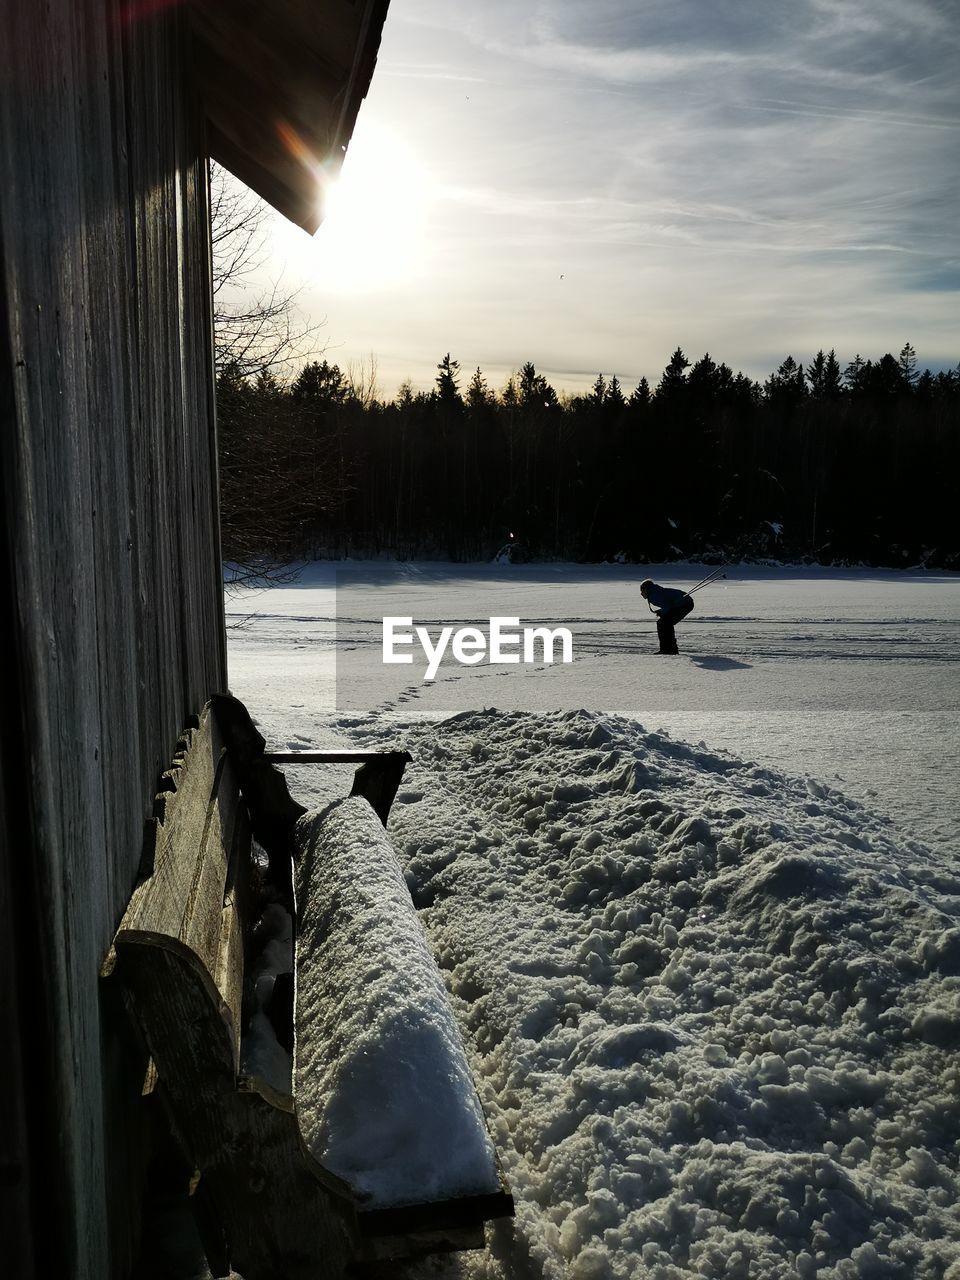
110 579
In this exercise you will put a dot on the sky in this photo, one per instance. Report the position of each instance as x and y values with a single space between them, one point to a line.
589 186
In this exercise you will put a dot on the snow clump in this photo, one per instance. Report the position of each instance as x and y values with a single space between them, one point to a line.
384 1097
714 1010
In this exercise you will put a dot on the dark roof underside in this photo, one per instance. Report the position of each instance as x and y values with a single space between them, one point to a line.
282 82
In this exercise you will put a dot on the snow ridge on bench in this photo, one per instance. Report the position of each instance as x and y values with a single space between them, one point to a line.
384 1096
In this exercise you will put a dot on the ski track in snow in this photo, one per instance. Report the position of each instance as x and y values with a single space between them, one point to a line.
712 1005
801 638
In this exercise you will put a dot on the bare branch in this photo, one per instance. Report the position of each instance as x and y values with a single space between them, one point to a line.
260 329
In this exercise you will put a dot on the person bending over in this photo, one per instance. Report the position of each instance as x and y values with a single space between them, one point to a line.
670 606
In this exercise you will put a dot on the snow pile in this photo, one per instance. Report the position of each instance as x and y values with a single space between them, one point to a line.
714 1009
384 1096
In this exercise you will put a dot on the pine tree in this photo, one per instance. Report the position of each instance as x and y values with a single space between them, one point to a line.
267 386
448 386
321 381
817 376
533 390
674 376
787 384
702 378
703 388
887 379
724 383
509 396
478 393
640 396
744 392
924 386
856 374
908 364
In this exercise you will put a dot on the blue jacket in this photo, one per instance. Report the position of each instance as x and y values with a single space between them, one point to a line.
665 597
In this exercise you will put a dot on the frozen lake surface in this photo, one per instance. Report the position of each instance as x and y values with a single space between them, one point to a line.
846 675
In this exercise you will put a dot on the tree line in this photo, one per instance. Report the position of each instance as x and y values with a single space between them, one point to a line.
858 464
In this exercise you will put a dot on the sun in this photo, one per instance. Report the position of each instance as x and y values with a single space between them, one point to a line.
373 232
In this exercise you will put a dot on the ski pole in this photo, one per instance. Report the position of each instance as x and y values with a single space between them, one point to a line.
705 582
702 581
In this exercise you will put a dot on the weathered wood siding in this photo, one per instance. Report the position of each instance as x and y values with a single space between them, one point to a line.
112 594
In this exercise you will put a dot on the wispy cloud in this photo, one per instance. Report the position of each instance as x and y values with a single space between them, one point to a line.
613 178
896 119
430 71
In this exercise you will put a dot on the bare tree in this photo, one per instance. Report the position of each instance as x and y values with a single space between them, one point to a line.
257 328
274 476
362 381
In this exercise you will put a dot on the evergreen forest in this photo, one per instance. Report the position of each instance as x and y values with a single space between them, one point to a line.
817 463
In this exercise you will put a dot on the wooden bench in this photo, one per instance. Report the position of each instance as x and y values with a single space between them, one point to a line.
180 957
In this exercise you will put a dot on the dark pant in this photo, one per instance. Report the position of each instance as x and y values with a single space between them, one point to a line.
667 621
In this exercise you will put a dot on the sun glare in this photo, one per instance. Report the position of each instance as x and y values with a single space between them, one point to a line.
372 235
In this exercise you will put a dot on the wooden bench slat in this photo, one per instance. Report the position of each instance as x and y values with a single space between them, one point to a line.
161 904
187 896
235 923
202 926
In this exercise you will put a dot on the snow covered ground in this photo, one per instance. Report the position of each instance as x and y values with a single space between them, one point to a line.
713 1003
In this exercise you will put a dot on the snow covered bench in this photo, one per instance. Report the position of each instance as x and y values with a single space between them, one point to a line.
379 1150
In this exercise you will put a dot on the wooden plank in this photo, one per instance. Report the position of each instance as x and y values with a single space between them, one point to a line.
327 30
377 780
24 1144
54 615
282 85
163 904
328 757
277 1219
203 924
109 505
445 1217
235 923
193 895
